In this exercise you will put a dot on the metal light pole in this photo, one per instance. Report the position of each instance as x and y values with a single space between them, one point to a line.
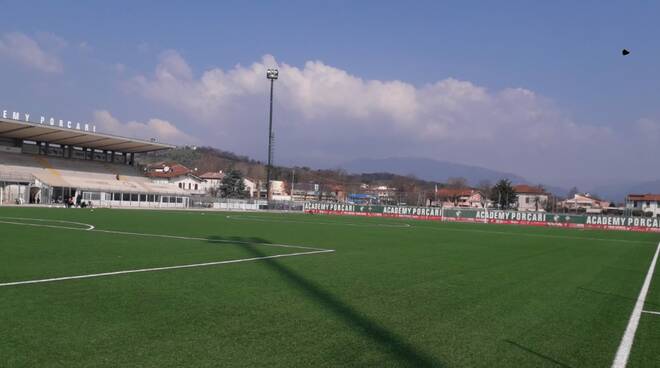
271 74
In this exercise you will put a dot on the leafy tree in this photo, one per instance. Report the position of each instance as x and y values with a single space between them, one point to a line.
485 187
232 185
537 202
503 194
573 192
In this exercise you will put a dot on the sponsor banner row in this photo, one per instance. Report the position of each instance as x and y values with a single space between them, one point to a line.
644 224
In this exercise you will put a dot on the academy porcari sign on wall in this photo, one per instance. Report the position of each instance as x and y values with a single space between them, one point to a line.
646 224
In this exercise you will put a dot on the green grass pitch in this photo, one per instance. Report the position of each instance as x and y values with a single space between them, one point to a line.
393 293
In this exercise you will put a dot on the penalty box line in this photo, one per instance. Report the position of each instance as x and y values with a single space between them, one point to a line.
155 269
178 237
623 353
210 240
308 251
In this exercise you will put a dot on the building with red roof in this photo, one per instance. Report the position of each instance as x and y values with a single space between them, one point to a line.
460 197
174 173
531 198
213 180
648 203
586 202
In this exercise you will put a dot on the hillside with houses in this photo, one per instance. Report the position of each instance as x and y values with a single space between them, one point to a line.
201 170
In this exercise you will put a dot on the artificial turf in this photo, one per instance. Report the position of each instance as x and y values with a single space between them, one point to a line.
428 294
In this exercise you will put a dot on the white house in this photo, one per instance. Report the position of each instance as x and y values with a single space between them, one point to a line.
175 174
649 203
251 187
213 180
531 198
384 193
278 190
460 197
585 202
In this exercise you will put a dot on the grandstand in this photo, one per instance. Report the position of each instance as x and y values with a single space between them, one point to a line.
44 164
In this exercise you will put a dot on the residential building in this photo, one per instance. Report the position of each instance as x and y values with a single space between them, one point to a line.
585 202
460 197
647 203
384 194
531 198
367 194
278 190
302 192
177 175
305 192
251 187
213 180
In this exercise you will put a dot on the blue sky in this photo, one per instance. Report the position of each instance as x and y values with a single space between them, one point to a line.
536 88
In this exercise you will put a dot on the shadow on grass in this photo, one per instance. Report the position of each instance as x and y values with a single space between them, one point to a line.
542 356
387 340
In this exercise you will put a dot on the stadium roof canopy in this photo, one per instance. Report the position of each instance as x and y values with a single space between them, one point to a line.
25 130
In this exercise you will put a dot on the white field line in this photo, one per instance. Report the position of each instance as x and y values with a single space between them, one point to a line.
309 250
258 219
4 218
210 240
622 354
651 312
154 269
165 236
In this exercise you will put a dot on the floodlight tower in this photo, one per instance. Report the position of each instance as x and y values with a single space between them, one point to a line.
271 74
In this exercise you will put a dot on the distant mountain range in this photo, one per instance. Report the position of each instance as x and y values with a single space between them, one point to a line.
618 192
429 169
436 170
441 171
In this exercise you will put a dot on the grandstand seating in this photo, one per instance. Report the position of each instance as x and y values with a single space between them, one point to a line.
81 174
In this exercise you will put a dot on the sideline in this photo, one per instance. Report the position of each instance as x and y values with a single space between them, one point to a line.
623 353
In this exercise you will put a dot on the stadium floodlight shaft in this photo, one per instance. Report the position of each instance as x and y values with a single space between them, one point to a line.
271 74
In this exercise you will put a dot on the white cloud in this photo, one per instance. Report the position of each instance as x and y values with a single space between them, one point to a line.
174 84
331 114
448 109
28 52
153 128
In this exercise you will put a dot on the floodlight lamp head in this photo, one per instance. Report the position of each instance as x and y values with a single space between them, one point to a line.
272 73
